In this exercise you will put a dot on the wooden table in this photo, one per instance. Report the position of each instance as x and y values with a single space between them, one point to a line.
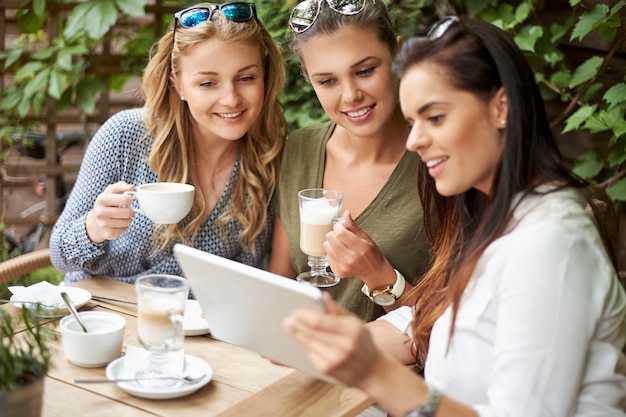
244 383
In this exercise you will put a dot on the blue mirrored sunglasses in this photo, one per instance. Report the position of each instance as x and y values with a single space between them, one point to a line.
306 12
236 12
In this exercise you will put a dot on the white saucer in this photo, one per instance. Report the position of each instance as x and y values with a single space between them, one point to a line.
192 363
79 298
194 324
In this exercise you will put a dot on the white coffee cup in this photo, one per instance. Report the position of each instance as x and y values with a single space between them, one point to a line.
100 345
163 202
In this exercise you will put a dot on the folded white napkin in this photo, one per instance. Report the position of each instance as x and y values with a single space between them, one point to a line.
137 358
42 292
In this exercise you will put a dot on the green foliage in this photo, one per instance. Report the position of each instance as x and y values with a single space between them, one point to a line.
24 357
60 69
592 102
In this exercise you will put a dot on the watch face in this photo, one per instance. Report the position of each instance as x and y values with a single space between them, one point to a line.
384 299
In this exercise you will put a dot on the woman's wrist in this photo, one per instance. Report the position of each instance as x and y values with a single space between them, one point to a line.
89 229
394 386
389 294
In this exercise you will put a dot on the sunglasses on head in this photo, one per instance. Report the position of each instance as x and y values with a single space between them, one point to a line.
235 12
306 12
440 28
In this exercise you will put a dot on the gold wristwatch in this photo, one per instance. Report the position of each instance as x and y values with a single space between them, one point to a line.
388 295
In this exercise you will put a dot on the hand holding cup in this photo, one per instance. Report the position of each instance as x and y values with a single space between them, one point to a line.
163 202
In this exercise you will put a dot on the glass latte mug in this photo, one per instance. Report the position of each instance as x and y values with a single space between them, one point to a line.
319 210
161 303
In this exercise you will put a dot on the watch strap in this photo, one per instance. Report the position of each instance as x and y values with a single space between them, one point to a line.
397 290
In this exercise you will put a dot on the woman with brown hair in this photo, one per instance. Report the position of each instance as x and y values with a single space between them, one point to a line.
522 313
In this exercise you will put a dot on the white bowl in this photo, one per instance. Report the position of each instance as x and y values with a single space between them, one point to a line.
100 345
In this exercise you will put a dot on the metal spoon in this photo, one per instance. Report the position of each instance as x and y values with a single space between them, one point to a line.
70 306
187 379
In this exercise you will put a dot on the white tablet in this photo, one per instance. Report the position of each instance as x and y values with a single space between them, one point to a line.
246 306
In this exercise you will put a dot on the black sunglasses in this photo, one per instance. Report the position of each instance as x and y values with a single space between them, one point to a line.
306 12
236 12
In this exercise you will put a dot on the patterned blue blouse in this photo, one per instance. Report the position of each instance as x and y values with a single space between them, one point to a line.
119 151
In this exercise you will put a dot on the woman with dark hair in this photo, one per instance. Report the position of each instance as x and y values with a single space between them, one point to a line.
522 313
346 48
212 119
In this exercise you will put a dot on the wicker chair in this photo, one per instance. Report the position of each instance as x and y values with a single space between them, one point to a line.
23 264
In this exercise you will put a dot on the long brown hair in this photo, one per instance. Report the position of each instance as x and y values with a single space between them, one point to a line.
481 62
168 121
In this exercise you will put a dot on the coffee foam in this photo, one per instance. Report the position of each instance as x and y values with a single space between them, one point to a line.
318 211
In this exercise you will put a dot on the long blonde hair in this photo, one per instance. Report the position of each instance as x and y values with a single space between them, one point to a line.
169 122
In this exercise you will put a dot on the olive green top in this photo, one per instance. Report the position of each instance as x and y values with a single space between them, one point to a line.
393 219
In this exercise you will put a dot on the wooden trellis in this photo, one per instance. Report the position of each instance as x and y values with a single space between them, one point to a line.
104 61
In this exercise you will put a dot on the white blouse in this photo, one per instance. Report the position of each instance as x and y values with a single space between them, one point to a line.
542 323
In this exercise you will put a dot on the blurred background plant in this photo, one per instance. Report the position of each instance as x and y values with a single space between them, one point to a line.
576 48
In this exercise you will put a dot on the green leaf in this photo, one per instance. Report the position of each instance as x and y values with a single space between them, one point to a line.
557 32
596 125
617 191
587 165
616 157
64 60
616 94
618 6
95 17
37 102
608 29
66 99
11 56
37 83
589 21
528 36
553 57
523 11
619 125
28 21
57 84
77 49
101 19
24 107
561 79
579 117
43 54
10 101
475 6
74 24
592 91
586 71
136 8
39 7
86 93
28 71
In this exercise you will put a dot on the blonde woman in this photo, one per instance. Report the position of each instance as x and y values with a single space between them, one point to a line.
211 119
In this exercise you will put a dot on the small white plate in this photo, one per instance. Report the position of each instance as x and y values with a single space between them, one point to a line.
192 363
79 298
194 324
